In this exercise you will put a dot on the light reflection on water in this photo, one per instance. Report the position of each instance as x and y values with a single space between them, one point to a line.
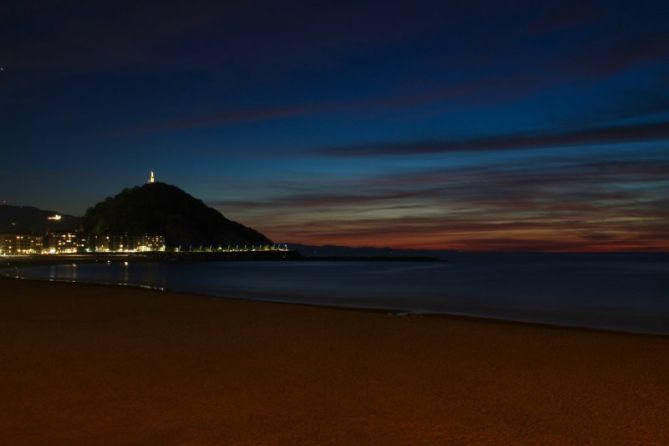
629 293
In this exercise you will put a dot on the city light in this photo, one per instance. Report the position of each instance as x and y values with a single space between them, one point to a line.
55 243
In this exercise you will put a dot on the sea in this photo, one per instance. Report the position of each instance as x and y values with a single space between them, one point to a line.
620 292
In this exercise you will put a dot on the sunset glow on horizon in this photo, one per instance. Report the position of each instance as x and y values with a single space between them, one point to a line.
476 126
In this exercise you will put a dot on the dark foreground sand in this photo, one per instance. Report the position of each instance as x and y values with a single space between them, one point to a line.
93 365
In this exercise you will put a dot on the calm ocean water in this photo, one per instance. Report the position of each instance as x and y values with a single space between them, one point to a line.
619 292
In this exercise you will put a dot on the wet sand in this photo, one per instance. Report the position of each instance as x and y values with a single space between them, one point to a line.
95 365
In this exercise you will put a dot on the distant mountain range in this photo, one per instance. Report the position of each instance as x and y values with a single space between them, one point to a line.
28 219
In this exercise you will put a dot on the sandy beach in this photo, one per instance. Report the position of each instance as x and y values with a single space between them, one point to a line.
86 364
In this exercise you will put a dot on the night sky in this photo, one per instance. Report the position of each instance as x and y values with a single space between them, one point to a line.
474 125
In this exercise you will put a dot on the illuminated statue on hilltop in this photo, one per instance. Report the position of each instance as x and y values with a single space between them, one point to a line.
152 178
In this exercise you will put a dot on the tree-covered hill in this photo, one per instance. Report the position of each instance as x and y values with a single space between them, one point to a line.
162 209
28 219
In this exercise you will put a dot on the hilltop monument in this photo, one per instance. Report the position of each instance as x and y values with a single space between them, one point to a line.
152 177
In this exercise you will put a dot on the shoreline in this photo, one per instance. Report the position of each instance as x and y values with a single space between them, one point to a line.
186 256
389 311
94 364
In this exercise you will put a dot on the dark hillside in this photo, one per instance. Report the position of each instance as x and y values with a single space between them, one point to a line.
162 209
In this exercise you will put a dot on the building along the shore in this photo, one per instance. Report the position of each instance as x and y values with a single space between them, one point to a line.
63 243
126 243
21 244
